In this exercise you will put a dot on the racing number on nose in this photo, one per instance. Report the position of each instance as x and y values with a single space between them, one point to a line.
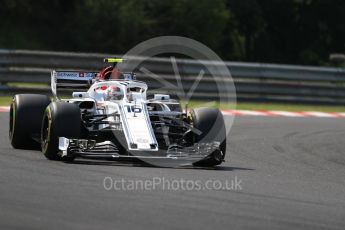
133 109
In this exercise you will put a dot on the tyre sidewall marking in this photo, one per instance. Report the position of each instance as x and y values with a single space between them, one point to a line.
46 144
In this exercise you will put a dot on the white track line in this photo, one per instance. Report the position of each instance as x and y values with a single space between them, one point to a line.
320 114
245 113
4 108
287 114
340 114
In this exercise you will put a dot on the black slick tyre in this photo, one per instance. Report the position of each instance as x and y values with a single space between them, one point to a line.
210 123
61 119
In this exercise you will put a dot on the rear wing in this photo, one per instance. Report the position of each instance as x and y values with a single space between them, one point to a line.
75 80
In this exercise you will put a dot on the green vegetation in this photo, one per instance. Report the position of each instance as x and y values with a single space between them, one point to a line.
279 31
5 101
27 84
269 106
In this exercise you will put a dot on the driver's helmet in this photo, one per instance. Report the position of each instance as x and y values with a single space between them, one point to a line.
109 73
114 93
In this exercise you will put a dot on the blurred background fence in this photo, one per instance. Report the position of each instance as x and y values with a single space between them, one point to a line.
253 81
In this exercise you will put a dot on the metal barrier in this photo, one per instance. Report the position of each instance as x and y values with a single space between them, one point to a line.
253 81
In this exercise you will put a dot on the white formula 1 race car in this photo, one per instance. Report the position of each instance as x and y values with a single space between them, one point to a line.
113 120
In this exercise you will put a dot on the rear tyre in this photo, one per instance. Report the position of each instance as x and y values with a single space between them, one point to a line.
210 122
61 119
26 114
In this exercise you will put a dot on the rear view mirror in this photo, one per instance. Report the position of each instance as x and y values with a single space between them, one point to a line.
79 94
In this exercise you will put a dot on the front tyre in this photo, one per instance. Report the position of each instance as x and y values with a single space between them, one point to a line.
61 119
210 123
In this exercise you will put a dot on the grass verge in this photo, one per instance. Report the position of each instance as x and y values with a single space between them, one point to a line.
6 100
267 106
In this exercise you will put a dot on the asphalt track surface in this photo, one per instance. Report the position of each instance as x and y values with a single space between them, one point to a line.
292 173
